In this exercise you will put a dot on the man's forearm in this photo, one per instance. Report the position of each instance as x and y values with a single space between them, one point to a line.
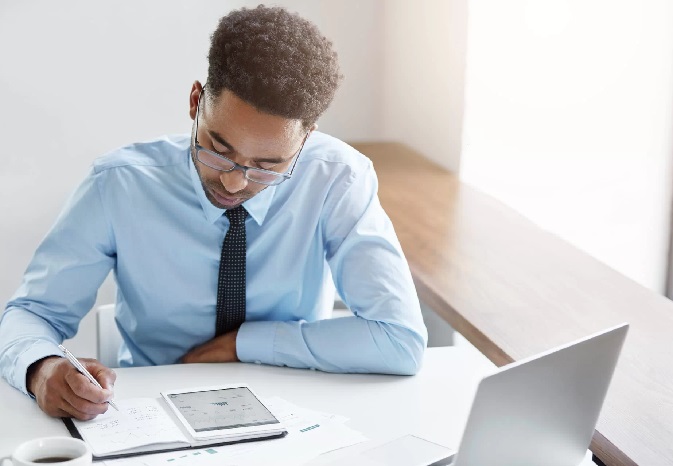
350 344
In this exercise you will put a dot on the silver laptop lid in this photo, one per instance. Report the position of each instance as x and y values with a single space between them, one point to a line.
542 410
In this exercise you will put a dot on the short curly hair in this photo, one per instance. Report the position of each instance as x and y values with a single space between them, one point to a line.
274 60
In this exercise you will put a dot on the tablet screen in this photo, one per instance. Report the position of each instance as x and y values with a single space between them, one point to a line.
226 408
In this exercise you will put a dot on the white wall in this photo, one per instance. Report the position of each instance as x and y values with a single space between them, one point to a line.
567 104
423 76
79 78
568 119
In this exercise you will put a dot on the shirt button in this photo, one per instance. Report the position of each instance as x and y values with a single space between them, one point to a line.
258 362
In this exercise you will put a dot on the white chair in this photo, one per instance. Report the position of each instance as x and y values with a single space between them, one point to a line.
340 308
109 338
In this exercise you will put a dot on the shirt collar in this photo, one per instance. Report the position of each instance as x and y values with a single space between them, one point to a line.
257 207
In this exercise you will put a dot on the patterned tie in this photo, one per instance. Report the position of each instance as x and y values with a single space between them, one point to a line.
231 280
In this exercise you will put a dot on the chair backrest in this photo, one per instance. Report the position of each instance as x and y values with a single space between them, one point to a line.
109 338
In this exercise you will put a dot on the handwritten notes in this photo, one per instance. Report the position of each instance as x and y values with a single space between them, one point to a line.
139 422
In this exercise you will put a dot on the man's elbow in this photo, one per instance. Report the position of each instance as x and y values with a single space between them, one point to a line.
410 351
411 360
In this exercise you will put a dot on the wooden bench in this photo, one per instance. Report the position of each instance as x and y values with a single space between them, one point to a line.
514 290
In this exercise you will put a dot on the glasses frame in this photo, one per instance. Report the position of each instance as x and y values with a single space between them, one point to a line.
279 177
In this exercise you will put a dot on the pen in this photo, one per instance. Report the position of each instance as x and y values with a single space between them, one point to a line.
78 365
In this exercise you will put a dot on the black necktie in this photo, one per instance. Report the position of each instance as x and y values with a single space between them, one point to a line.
231 280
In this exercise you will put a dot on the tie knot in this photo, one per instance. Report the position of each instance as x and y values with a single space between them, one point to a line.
237 216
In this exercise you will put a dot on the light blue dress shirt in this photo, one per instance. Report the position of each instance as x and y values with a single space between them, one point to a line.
142 213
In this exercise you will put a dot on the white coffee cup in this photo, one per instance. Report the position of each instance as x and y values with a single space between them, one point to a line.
72 451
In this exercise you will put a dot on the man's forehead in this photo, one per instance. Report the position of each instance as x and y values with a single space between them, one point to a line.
227 110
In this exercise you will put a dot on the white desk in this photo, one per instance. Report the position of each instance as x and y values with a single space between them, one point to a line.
433 404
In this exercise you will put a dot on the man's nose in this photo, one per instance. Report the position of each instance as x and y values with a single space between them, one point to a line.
233 181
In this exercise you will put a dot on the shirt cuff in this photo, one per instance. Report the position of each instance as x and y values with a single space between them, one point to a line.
255 342
39 350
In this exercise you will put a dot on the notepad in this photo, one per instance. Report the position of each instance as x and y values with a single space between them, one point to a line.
144 425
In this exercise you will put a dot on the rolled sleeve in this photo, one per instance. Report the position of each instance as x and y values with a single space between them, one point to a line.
255 342
40 349
16 360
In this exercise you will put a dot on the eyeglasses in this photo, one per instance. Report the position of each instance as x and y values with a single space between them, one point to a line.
223 164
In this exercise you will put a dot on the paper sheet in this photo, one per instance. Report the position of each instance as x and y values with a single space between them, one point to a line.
310 434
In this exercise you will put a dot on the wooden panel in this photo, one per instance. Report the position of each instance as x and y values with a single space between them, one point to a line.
514 290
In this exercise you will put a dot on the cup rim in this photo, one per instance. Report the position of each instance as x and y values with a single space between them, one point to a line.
23 448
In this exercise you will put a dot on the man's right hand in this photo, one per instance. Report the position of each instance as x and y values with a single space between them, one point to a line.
61 391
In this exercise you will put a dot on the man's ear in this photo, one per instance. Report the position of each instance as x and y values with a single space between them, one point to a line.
194 94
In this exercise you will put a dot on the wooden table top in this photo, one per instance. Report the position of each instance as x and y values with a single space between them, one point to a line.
514 290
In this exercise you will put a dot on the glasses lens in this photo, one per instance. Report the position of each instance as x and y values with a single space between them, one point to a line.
253 174
213 161
264 177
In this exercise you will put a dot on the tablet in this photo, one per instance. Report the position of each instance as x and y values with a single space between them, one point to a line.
221 411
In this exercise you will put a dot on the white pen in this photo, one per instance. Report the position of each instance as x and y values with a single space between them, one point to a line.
78 365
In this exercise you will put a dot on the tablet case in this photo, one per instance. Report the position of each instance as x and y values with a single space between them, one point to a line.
75 433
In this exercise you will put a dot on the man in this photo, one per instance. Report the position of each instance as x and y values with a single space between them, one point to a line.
226 243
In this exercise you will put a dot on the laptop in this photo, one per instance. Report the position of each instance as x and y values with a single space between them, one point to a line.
540 411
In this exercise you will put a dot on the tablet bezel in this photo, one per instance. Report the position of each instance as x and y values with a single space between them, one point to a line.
226 432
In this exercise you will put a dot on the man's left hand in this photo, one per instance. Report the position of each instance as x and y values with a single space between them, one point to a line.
219 349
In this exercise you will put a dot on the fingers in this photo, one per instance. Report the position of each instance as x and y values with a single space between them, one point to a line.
65 409
82 387
192 356
105 376
203 353
79 407
200 355
219 349
61 391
